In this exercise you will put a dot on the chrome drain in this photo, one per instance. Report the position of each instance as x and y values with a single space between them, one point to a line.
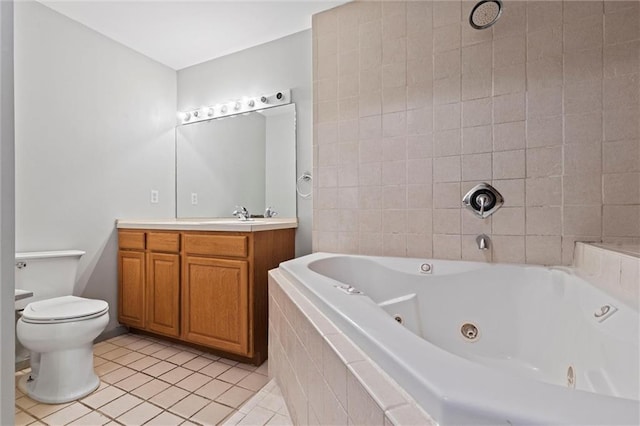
469 331
398 319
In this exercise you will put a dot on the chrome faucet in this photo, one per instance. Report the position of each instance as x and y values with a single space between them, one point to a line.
241 213
483 242
270 212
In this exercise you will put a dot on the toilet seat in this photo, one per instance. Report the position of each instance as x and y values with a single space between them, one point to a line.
64 309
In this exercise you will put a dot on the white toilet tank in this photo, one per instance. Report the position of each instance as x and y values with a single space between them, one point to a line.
47 274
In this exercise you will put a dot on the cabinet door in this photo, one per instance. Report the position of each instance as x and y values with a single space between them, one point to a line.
131 294
163 293
215 302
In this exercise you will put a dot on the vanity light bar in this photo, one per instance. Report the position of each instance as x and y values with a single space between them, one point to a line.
241 106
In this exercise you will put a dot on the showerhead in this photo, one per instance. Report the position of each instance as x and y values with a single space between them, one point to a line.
485 14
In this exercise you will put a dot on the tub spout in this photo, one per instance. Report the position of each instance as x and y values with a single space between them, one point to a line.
483 242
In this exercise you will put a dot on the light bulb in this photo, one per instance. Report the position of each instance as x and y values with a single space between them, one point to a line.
251 103
186 116
223 109
237 106
210 112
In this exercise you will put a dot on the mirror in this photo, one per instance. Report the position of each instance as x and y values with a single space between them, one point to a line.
245 160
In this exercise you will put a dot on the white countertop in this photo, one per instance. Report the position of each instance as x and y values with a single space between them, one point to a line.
209 224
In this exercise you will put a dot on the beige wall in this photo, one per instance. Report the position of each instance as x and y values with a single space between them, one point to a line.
412 108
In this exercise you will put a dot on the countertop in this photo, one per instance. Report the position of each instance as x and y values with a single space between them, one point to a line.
23 294
209 224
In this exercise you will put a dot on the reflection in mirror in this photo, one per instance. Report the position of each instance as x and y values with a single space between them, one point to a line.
246 160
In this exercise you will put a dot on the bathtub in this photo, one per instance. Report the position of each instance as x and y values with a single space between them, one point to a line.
477 343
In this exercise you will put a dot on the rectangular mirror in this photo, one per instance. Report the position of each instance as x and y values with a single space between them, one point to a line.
245 160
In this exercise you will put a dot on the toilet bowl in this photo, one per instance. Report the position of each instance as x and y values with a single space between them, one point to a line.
59 332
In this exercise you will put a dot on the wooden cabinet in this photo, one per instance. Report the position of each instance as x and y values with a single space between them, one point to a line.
131 279
163 293
204 288
215 303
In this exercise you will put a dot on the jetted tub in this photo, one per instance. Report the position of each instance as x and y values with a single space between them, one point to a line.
484 343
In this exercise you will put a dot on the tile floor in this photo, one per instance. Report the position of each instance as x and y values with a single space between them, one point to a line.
153 382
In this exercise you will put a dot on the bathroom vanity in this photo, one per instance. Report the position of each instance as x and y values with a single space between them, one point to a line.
202 281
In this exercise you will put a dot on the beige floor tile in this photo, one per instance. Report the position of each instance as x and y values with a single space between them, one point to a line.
165 353
144 363
228 361
182 357
150 389
25 402
254 382
23 418
210 356
103 347
233 375
106 368
125 339
134 381
152 348
175 375
165 419
140 414
169 397
94 418
189 405
97 361
100 398
67 414
188 423
116 375
257 416
234 396
212 414
215 369
213 389
116 353
194 381
129 358
263 369
43 410
197 363
248 367
139 344
121 405
159 369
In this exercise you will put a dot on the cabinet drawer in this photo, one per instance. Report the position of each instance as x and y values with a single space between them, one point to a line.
133 240
163 241
216 245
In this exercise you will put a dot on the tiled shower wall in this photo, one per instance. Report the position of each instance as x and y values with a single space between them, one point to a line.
413 107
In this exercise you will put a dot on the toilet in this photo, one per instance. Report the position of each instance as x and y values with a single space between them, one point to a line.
57 328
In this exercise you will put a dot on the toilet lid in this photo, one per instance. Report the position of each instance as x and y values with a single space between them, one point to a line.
65 308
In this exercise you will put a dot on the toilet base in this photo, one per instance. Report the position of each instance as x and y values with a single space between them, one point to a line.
61 376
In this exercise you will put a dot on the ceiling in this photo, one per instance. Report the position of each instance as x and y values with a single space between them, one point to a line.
183 33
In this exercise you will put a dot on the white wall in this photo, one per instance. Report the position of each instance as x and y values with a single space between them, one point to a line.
280 64
94 134
7 215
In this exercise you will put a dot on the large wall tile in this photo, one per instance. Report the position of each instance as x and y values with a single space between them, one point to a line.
544 106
